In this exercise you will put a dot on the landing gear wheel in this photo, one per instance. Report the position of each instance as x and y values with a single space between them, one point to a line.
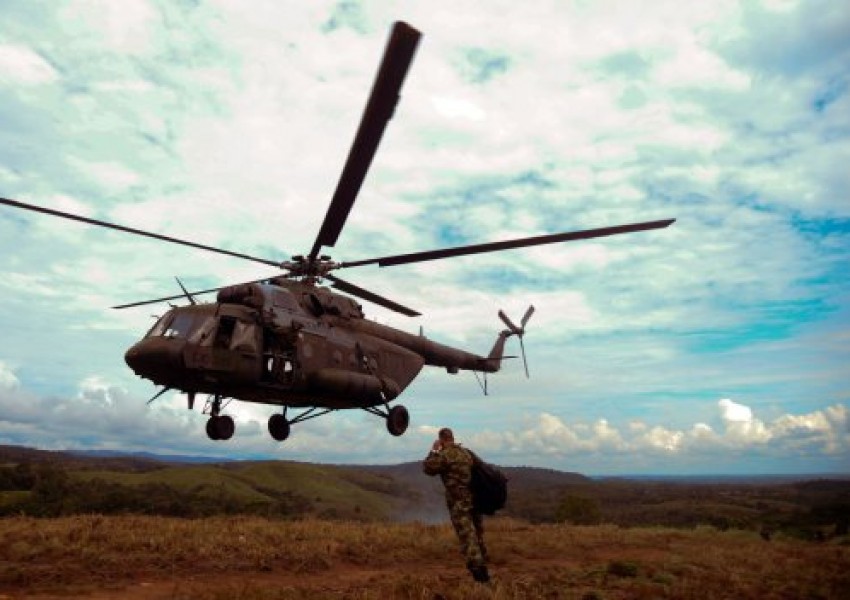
212 430
225 426
397 420
220 428
279 427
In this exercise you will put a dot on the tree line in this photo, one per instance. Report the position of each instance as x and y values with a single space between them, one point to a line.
51 492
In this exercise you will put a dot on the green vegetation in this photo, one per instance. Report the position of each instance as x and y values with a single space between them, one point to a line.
270 489
47 484
808 510
273 530
577 510
252 558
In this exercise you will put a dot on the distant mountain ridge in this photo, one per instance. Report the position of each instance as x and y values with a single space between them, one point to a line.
54 483
169 458
399 492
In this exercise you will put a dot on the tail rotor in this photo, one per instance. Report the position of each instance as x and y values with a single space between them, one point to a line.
518 331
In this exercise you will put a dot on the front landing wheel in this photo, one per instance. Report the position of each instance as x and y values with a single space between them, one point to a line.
220 427
279 427
397 420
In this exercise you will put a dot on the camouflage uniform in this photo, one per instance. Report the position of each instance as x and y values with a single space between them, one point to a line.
454 466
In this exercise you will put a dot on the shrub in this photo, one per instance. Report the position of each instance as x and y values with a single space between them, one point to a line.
578 511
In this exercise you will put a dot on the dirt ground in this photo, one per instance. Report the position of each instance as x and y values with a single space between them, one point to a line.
444 579
135 558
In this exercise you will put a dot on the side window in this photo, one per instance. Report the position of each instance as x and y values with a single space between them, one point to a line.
203 333
224 335
244 337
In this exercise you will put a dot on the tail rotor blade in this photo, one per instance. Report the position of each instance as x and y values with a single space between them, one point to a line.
524 361
527 316
514 329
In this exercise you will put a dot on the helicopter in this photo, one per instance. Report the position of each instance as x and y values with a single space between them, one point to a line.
291 342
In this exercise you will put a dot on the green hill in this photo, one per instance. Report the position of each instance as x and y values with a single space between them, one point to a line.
58 483
41 483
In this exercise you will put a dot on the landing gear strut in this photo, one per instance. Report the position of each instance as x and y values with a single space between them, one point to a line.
397 417
280 425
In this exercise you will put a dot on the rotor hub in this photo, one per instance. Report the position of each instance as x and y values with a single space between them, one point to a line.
304 266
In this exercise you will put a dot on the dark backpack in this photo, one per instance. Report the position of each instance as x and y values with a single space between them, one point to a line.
489 487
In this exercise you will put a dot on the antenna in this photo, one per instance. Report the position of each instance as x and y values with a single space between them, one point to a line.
185 292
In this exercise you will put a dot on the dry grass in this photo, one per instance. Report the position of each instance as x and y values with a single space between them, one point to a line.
258 559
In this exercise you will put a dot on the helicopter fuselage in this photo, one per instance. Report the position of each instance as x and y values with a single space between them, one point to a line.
292 344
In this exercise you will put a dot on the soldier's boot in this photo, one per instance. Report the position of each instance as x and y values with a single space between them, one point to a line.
484 552
480 574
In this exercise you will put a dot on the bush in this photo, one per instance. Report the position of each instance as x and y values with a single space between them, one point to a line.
578 511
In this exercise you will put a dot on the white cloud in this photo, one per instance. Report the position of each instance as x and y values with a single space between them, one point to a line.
113 176
663 439
828 430
457 108
825 431
22 65
125 27
733 412
8 381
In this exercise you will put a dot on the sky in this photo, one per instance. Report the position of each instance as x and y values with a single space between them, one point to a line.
717 345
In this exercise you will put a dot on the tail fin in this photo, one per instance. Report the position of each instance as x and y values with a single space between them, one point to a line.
497 352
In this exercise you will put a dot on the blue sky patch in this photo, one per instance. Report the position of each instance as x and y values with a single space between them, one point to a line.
481 65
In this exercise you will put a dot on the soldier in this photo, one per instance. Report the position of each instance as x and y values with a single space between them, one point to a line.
453 464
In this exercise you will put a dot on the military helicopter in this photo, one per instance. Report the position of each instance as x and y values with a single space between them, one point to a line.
289 341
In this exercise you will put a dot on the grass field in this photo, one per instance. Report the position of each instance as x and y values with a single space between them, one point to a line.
253 558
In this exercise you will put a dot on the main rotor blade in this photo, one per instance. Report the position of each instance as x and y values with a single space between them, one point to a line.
156 236
354 290
379 109
400 259
190 294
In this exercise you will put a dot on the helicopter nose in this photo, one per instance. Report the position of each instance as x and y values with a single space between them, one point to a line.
158 359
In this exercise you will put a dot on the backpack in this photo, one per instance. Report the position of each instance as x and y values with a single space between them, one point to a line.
489 487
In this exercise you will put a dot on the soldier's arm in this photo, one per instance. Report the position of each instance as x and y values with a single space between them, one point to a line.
434 463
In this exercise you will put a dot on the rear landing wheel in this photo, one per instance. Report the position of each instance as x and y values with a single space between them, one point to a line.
279 427
397 420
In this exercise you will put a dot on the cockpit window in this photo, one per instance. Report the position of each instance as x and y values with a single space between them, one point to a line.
181 325
177 324
159 327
